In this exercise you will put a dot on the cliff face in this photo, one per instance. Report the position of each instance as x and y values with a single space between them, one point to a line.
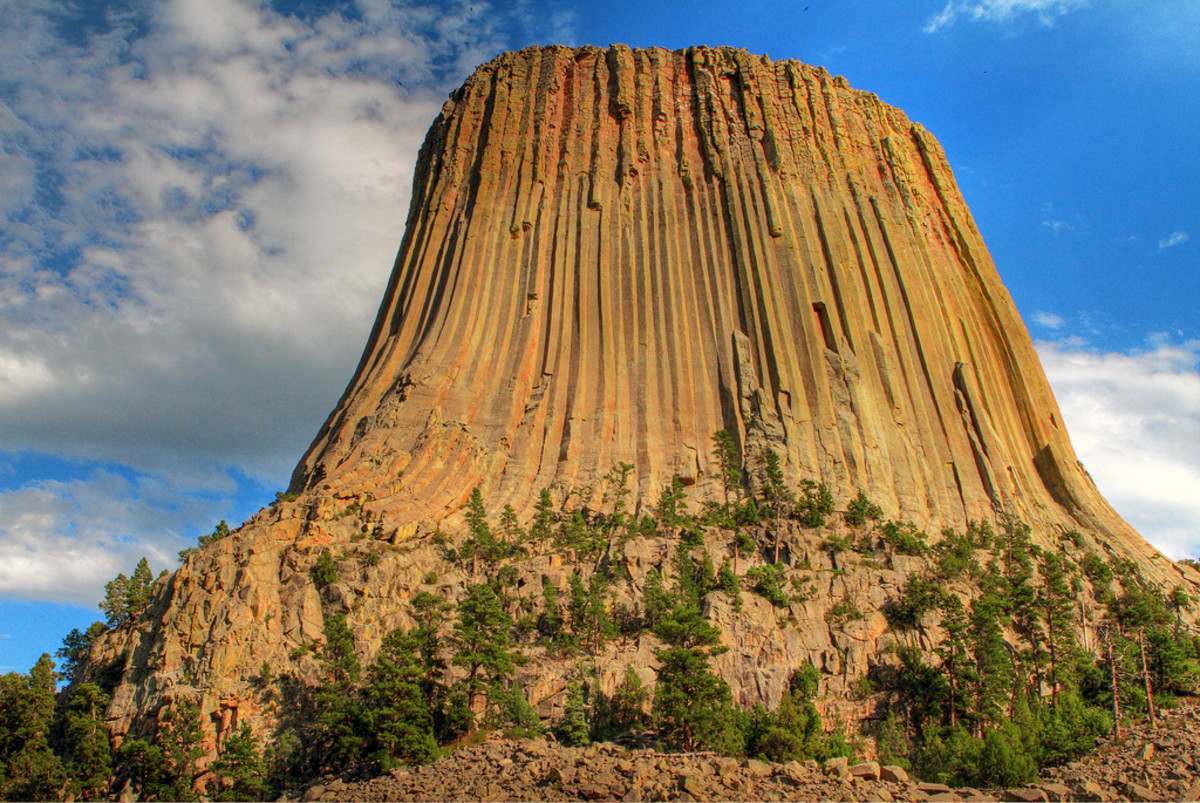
611 255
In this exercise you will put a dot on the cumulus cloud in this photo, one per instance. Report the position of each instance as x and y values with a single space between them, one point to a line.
1000 11
202 202
207 199
63 541
1134 420
1174 239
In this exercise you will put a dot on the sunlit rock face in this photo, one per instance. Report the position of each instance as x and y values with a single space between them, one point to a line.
611 255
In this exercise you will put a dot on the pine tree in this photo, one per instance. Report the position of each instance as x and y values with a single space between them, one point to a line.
29 769
573 728
622 713
509 530
693 708
1055 602
221 531
138 595
729 466
618 493
542 526
550 621
772 487
481 639
116 601
480 541
85 741
993 669
396 709
339 730
671 504
429 610
241 774
179 737
75 649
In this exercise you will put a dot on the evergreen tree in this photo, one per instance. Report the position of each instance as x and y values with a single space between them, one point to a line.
240 771
550 621
338 731
481 639
85 741
75 649
624 712
542 526
729 467
815 503
221 531
145 766
179 738
396 709
1055 601
992 667
693 708
510 530
29 769
861 510
116 601
480 540
325 571
617 493
671 507
137 595
954 652
573 728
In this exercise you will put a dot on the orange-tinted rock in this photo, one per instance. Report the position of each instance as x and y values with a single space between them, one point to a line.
611 255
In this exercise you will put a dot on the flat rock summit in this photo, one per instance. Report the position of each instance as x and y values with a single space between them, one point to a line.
611 255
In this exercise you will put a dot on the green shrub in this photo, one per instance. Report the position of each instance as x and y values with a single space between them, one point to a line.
325 570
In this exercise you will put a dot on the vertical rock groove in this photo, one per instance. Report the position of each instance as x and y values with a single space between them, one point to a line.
611 254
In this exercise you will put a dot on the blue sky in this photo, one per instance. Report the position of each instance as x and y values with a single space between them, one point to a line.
201 201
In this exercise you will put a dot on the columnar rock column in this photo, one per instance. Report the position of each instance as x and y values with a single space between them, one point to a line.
612 254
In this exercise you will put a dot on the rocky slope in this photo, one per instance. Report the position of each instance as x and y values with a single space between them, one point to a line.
1161 763
611 255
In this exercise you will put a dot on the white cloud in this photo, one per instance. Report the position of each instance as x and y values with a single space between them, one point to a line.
1048 319
1134 420
1057 226
211 196
1174 239
202 201
63 541
1000 11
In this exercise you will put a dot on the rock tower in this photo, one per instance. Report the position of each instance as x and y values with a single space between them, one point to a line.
611 255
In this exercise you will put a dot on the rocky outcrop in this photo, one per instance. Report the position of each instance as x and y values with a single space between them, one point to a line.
610 255
537 770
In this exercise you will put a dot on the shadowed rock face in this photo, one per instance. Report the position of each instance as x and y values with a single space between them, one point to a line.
612 254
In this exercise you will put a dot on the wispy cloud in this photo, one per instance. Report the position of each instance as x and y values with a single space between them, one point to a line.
1057 226
1173 239
1134 420
1048 320
1001 11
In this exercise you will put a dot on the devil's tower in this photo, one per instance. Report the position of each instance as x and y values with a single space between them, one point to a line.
610 256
